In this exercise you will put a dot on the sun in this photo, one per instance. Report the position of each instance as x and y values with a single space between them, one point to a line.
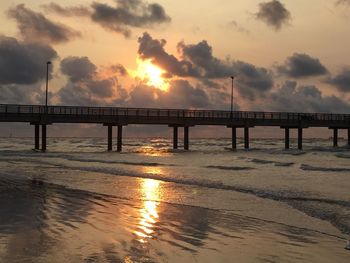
151 75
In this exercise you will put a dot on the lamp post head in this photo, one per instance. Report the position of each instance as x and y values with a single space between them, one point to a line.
232 77
48 62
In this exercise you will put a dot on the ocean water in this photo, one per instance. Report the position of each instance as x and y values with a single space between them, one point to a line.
79 203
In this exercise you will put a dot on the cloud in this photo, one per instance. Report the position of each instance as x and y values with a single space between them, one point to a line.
128 13
274 14
67 11
119 69
252 81
86 86
302 65
340 2
292 98
78 68
197 61
22 62
21 94
203 61
181 94
238 27
153 49
35 26
341 81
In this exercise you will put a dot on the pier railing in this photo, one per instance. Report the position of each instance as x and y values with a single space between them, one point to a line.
171 113
39 115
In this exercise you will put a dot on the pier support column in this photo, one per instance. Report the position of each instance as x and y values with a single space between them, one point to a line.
186 138
234 138
110 136
286 138
349 137
300 138
335 137
175 137
120 138
246 137
43 137
37 136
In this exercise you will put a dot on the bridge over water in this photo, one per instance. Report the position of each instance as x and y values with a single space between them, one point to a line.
43 116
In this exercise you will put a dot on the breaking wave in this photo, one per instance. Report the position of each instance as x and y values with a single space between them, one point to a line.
307 167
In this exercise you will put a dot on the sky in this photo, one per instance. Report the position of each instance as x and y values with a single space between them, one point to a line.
286 55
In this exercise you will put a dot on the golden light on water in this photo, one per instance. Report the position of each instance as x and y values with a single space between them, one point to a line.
150 190
151 75
152 170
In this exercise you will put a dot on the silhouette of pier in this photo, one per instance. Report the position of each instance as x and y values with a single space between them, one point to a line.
43 116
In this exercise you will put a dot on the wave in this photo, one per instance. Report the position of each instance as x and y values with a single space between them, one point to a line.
77 159
17 157
343 156
229 168
325 209
307 167
334 211
280 164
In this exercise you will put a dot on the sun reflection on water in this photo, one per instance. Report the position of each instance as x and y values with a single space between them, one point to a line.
155 150
149 212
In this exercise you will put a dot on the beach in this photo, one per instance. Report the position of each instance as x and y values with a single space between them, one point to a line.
79 203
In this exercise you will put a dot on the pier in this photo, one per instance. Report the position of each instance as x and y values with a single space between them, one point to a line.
44 116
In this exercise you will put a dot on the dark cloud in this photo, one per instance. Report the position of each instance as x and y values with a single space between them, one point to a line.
202 59
78 68
153 49
67 11
289 97
181 94
302 65
21 94
274 14
198 62
249 78
36 27
341 81
252 81
119 69
23 63
85 86
128 13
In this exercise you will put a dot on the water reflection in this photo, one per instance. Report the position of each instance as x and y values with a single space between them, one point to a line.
157 150
152 170
149 216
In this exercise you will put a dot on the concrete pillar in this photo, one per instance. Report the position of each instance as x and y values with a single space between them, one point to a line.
349 137
186 138
300 138
234 138
43 137
246 137
120 138
110 136
335 137
37 136
175 137
286 138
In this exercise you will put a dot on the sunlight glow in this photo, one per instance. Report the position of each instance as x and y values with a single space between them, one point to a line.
148 213
151 75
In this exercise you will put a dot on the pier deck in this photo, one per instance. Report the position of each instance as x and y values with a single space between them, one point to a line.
115 116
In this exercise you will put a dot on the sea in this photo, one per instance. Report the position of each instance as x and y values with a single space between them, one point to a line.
79 203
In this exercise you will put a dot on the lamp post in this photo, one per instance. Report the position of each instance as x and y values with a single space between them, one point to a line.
232 78
47 81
